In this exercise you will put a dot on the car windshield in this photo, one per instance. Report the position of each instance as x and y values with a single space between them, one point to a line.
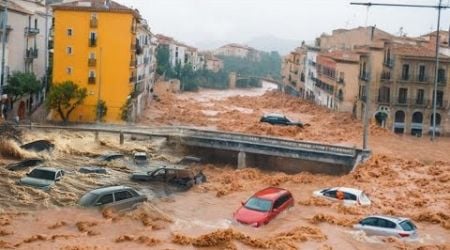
258 204
407 225
140 157
42 174
88 199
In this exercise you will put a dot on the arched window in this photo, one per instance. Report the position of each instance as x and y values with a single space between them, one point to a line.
417 117
438 119
400 116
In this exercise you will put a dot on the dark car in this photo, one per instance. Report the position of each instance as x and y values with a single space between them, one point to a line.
38 146
117 197
24 164
92 170
279 119
110 157
181 178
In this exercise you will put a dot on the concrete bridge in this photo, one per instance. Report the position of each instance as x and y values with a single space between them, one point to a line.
242 149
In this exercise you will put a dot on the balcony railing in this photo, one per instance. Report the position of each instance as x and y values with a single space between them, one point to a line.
405 77
92 62
31 53
92 42
386 76
422 78
364 76
31 31
383 100
91 80
93 23
442 81
389 62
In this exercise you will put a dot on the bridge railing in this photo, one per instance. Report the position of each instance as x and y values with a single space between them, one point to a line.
207 134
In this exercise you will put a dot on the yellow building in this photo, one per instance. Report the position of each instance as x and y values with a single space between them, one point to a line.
95 47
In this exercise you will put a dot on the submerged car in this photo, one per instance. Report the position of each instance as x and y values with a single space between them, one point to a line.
387 226
264 206
110 157
92 170
38 146
140 158
116 197
42 177
182 178
279 119
24 164
189 160
349 196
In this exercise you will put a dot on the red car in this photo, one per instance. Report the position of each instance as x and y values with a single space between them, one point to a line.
263 206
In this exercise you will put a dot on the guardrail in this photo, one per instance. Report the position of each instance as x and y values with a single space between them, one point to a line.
186 132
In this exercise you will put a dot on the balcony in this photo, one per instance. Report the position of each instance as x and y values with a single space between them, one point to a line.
93 23
442 81
31 31
419 103
92 42
383 100
405 77
133 62
389 62
51 44
386 76
92 62
91 80
31 54
133 46
401 102
364 76
422 78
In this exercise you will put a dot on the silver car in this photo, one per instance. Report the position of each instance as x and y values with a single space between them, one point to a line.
387 226
117 197
42 177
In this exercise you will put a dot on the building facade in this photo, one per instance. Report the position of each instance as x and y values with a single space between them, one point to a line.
88 52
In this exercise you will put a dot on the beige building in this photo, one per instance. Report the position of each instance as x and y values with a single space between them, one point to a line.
212 63
401 87
237 50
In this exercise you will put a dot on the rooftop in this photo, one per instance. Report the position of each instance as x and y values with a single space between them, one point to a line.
15 7
416 51
342 55
96 5
270 193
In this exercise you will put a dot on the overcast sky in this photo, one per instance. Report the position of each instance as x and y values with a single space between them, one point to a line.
200 21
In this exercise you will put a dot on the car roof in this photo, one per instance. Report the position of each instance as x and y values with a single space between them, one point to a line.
347 190
47 169
270 193
391 218
274 114
111 154
140 154
108 189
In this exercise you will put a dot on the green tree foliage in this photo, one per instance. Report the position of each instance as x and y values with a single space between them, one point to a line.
267 64
162 57
21 84
65 97
101 109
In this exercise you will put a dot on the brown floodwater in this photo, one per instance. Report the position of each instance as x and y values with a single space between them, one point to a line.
412 184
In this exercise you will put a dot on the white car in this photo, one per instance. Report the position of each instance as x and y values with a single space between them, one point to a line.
350 196
387 226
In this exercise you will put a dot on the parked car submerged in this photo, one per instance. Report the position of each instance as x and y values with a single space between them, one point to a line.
189 160
387 226
24 164
140 158
38 146
42 177
279 119
119 198
264 206
182 178
350 196
110 157
92 170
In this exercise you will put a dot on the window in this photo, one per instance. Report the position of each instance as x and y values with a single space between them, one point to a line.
69 50
441 76
105 199
405 72
422 73
440 98
92 55
385 223
91 73
420 96
349 196
35 23
123 195
407 225
384 94
402 95
69 31
278 203
69 70
331 194
369 221
93 35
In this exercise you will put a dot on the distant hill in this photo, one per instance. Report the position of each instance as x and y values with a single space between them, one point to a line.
272 43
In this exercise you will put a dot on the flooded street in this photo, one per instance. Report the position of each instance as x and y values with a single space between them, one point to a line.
398 183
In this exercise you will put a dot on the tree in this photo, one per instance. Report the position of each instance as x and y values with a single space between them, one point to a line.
101 110
65 97
162 58
21 84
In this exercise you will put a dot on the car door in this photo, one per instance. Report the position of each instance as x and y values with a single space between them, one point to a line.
279 205
369 225
123 200
159 175
105 201
385 227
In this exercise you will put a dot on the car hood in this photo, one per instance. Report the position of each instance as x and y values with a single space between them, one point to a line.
248 216
35 182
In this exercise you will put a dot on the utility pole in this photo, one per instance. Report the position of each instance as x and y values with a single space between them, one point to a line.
46 57
4 30
439 7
